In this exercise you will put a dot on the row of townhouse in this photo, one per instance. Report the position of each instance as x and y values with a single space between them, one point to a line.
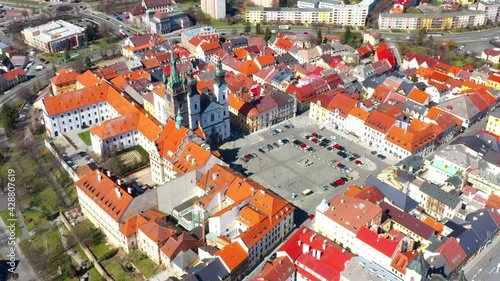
432 22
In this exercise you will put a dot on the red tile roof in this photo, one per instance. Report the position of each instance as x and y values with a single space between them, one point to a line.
63 78
281 268
370 193
452 252
385 246
170 139
158 230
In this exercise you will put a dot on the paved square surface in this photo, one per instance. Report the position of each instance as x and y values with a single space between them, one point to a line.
280 171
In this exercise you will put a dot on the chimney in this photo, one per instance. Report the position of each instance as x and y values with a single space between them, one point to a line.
118 193
129 190
188 157
312 237
318 254
342 201
99 177
193 160
214 176
108 173
262 191
119 182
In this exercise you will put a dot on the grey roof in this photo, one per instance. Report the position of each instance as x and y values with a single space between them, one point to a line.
282 75
474 143
403 176
374 82
210 74
396 197
419 264
359 268
412 162
455 181
461 106
437 193
286 58
211 271
405 87
185 259
414 107
491 139
239 42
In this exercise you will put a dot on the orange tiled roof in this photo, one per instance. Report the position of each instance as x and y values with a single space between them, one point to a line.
77 99
150 63
87 79
438 228
175 245
343 103
240 53
380 121
424 72
248 68
352 191
266 60
157 230
64 78
104 195
493 201
214 181
192 158
132 224
116 126
170 139
232 255
283 44
210 46
411 140
359 113
419 96
250 216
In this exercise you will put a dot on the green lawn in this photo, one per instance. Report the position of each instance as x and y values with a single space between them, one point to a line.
188 4
34 219
114 267
5 216
85 136
145 265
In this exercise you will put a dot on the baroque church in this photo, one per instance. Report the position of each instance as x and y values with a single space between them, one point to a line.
209 112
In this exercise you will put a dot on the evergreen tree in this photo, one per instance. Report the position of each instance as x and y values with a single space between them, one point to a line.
319 38
8 117
248 28
267 34
67 55
258 29
88 62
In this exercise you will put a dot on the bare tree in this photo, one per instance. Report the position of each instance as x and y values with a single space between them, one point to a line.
115 48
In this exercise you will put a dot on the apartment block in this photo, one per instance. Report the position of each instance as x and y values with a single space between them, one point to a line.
215 8
439 21
492 9
54 36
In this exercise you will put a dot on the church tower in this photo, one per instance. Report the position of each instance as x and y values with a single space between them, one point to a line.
175 92
193 101
220 85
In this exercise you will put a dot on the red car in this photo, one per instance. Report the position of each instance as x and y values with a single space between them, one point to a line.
314 135
336 146
315 140
305 32
303 146
358 162
311 216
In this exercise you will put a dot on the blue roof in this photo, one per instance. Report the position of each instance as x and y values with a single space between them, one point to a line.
469 241
396 197
483 224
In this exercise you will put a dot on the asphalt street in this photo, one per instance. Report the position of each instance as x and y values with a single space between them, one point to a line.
486 265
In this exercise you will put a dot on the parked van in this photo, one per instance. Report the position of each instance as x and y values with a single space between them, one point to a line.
39 67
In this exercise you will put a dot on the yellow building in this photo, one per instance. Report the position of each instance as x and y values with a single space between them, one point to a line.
494 81
318 109
493 125
149 104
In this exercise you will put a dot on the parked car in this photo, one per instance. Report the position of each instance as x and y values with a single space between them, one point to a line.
254 155
315 140
381 156
276 145
261 150
297 142
358 162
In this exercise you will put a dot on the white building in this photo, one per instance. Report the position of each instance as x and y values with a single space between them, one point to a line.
54 36
215 8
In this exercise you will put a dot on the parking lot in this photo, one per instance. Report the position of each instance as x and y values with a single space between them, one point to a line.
291 169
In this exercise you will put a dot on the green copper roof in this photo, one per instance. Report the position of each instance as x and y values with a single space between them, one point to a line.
175 80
